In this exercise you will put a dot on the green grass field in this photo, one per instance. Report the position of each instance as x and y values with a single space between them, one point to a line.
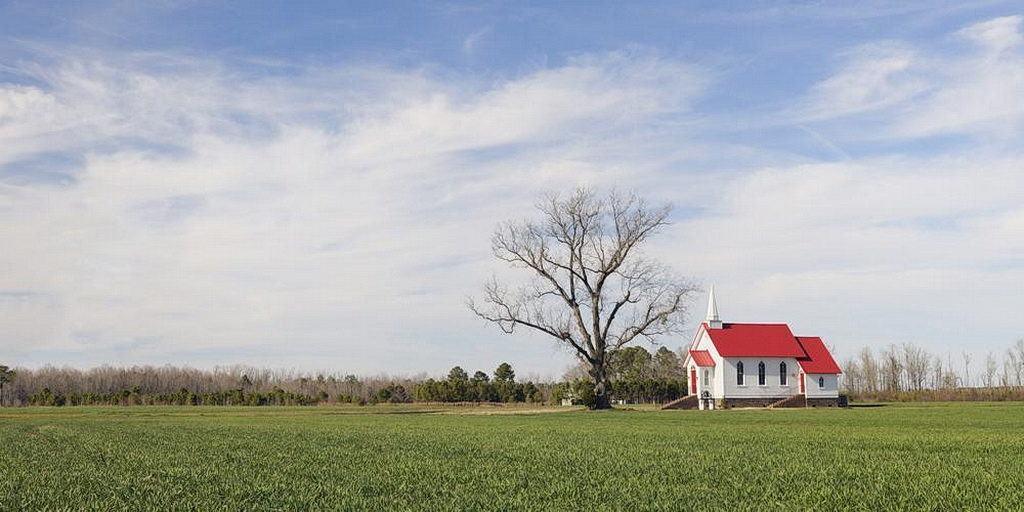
942 456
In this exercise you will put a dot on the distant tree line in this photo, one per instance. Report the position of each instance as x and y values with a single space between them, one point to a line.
909 372
135 396
148 385
637 376
460 387
171 385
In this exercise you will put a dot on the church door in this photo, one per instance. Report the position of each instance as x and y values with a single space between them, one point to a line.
693 381
802 383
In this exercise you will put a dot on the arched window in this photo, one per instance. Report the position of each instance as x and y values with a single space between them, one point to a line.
760 373
782 373
739 373
707 378
821 382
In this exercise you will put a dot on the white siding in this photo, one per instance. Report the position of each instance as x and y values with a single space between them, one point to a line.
750 388
703 342
831 389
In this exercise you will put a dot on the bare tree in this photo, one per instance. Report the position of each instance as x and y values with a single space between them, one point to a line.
869 370
852 380
967 368
991 367
892 369
937 372
591 290
1016 359
916 360
1006 379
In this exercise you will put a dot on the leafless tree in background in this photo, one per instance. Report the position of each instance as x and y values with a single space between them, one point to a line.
967 368
991 367
916 362
892 369
591 290
910 368
1010 369
869 369
852 377
1015 356
936 372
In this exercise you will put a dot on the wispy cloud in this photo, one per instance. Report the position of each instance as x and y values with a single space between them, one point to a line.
918 92
473 40
350 221
872 77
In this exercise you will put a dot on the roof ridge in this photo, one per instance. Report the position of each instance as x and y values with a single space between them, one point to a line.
755 339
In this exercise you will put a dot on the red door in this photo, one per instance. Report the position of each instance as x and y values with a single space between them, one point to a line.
801 383
693 381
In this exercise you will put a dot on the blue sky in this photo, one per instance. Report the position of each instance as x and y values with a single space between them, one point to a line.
314 186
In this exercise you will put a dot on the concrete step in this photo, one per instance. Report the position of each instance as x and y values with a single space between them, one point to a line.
793 401
686 402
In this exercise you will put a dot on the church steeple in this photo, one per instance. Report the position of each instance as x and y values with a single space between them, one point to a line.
712 317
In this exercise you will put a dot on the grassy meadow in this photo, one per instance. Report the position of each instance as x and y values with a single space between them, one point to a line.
934 456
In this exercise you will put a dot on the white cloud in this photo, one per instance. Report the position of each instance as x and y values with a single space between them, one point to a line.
550 104
473 40
997 34
873 77
908 92
978 94
336 216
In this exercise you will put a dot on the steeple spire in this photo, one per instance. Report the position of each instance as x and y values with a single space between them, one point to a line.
712 319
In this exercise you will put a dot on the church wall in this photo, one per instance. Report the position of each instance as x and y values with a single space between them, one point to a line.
751 389
831 389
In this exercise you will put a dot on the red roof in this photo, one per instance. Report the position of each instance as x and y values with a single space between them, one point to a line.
818 358
755 340
702 357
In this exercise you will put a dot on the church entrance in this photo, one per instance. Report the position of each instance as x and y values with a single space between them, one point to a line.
706 402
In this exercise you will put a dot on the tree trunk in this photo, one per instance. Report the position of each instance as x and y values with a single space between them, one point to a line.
602 388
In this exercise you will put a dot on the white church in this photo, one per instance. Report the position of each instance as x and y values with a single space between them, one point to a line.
756 365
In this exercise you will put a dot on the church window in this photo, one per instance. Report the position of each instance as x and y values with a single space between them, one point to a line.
782 373
739 373
821 382
760 373
707 378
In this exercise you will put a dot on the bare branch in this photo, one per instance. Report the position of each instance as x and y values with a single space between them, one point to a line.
590 287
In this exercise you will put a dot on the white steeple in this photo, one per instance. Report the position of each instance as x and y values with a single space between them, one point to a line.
712 317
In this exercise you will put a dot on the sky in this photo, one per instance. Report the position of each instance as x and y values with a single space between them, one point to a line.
314 185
